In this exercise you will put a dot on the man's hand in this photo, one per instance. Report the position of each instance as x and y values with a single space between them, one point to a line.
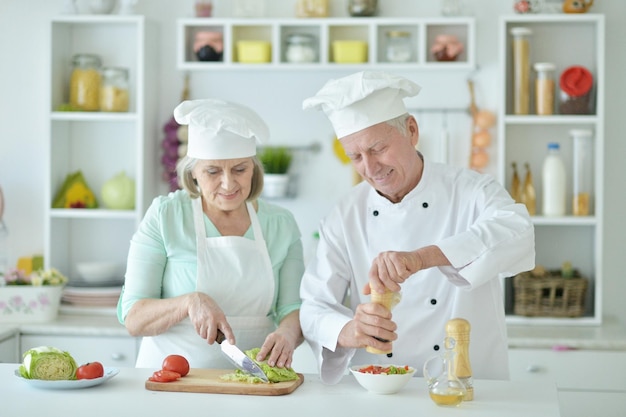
371 324
390 269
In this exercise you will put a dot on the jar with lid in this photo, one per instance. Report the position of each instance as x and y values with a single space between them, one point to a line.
358 8
301 48
85 82
114 90
575 84
544 88
521 70
582 171
312 8
398 46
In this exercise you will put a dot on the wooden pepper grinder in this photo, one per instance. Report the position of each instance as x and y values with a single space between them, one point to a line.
459 329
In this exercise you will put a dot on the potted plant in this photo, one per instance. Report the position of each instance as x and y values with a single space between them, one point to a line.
30 298
276 161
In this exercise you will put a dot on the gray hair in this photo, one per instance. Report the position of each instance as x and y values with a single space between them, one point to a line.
399 123
186 164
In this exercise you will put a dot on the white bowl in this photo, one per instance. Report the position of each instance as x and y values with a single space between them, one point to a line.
98 271
382 383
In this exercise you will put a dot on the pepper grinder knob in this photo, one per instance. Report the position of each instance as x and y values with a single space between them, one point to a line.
459 329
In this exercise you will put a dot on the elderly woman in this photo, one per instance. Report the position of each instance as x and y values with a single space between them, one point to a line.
213 257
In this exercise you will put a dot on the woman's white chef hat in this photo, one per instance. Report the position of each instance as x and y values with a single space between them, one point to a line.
220 130
361 100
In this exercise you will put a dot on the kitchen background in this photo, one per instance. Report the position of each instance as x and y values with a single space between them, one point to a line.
319 178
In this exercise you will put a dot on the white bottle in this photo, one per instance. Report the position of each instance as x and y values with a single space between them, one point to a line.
554 182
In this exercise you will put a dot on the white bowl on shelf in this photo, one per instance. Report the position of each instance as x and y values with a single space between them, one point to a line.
98 271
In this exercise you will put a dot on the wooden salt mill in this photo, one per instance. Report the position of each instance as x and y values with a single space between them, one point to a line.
459 329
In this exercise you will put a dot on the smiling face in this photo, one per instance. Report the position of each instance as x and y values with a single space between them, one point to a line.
385 158
225 183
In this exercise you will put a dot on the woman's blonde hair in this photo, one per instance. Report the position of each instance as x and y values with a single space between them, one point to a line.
185 166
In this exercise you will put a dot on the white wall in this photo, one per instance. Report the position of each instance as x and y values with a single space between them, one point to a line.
24 39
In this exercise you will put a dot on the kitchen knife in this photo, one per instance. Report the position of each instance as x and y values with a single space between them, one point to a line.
239 359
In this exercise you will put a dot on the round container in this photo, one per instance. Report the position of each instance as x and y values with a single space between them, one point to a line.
544 88
583 174
521 70
398 48
85 82
575 84
204 8
300 48
362 7
114 90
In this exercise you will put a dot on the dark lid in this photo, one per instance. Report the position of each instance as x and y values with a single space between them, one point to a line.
576 81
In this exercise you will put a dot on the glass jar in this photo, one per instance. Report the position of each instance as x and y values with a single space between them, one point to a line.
521 70
583 171
312 8
544 88
85 82
575 84
114 90
398 46
362 7
301 48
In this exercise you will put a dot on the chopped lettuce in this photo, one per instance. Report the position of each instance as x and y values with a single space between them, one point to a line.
49 363
273 373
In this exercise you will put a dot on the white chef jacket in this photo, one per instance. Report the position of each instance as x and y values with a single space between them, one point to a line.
484 234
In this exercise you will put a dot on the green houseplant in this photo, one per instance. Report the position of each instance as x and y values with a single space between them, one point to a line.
276 161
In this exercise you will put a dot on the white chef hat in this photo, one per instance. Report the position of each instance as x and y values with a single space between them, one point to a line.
219 129
361 100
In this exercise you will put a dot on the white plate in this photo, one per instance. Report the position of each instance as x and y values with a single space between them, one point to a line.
76 384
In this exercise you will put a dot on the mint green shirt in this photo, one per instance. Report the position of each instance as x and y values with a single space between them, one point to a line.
162 259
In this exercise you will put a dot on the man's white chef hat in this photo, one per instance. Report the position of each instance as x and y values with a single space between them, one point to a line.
220 130
361 100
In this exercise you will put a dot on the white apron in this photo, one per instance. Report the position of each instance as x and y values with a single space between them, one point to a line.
237 273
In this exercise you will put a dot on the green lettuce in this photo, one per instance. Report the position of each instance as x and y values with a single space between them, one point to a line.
49 363
273 373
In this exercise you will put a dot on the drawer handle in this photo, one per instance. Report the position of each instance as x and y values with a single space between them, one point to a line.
117 356
533 369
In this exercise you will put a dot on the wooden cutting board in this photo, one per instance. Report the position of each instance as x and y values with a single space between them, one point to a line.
208 381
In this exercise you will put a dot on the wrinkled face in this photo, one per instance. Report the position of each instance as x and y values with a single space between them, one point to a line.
225 183
385 158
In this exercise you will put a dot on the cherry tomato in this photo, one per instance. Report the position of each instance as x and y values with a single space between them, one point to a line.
164 376
176 363
90 370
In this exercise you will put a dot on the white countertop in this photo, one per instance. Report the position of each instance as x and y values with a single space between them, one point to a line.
125 395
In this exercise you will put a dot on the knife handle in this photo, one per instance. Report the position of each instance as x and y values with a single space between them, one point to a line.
220 337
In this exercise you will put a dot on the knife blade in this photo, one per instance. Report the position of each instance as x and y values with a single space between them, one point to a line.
239 359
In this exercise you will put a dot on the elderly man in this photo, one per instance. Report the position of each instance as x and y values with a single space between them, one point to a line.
443 236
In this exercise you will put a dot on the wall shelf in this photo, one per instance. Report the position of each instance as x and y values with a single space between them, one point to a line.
326 30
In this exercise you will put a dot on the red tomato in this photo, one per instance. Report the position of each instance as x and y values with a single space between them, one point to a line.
164 376
177 364
90 370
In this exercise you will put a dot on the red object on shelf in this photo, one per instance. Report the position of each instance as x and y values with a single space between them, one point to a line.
576 81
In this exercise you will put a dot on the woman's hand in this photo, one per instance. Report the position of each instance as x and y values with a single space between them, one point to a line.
207 317
281 343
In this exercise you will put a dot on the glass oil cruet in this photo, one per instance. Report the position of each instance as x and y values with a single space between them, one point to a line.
444 387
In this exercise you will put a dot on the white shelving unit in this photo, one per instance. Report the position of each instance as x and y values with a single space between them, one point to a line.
98 144
564 40
327 30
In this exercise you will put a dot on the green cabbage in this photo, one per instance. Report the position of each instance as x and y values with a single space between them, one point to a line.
49 363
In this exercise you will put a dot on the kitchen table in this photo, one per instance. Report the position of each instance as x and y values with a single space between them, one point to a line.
125 395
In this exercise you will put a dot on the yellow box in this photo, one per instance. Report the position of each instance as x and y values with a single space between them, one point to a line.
349 52
254 52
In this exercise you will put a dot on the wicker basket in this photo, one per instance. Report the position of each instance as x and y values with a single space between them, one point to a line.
550 295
